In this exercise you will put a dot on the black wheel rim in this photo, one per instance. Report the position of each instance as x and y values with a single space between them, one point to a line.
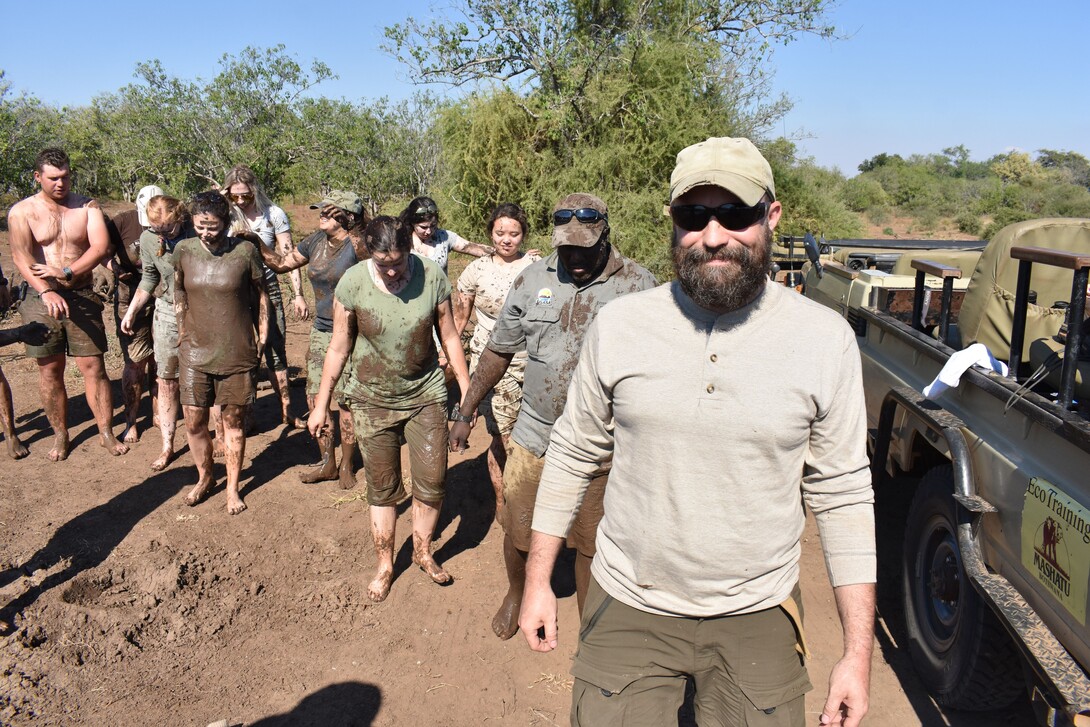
938 583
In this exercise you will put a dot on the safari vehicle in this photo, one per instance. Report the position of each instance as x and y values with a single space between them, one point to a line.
995 565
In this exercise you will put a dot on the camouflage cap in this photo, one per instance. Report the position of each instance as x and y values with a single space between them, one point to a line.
347 201
575 232
734 164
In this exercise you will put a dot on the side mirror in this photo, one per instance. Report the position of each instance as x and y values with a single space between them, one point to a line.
813 253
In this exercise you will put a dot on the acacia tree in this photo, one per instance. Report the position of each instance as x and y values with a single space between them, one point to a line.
596 95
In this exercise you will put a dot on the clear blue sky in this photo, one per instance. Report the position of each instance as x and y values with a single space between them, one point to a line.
909 77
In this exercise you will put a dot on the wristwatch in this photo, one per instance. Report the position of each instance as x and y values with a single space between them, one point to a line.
67 272
457 416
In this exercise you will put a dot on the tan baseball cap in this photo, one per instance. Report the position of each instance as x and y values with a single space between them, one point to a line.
142 198
734 164
580 234
347 201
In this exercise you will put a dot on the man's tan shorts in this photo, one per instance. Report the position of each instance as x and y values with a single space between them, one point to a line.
379 433
80 333
202 389
137 346
631 667
521 477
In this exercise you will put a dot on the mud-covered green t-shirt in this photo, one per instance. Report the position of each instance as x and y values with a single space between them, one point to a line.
394 362
219 333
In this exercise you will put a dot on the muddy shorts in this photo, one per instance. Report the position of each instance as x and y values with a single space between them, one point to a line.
201 389
521 477
500 406
379 433
165 330
319 344
80 333
276 355
631 667
138 346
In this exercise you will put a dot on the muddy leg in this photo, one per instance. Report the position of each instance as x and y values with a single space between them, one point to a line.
425 517
506 621
383 523
497 459
153 387
279 381
168 421
132 381
54 402
326 469
16 449
101 401
217 427
200 444
235 441
582 578
348 452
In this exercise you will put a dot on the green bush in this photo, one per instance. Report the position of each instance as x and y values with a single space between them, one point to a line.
969 223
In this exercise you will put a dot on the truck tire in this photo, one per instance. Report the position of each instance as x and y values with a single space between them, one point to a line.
960 650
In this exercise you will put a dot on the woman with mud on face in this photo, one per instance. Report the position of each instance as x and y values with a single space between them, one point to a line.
386 312
253 211
421 217
222 309
328 254
482 288
170 224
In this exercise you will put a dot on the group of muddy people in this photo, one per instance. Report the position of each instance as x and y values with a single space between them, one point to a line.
584 370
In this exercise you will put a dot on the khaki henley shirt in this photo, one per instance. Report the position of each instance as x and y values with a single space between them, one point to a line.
714 451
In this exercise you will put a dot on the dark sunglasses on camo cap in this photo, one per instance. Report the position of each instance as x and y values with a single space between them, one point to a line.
586 215
736 217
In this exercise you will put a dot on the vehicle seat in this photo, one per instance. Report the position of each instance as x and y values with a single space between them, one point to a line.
963 260
987 312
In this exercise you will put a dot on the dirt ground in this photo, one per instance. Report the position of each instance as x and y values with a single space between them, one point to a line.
127 607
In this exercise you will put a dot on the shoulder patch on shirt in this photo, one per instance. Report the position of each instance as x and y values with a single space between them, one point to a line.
545 296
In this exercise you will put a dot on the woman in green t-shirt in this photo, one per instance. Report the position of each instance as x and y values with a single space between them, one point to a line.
386 312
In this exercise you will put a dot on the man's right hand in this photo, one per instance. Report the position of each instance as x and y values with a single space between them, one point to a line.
126 323
458 439
539 612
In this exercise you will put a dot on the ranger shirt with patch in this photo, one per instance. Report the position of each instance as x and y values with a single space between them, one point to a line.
547 314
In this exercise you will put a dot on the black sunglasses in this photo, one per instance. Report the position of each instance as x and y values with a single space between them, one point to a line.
736 217
586 215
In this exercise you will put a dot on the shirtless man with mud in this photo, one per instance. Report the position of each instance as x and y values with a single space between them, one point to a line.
222 308
57 238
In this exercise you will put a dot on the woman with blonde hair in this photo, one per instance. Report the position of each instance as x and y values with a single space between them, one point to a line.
253 211
169 224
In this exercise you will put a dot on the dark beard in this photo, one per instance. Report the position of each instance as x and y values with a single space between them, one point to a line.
723 289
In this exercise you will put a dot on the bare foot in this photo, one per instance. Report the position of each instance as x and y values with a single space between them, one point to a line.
235 505
290 422
131 435
299 423
324 471
198 493
59 453
347 478
163 460
505 623
429 566
217 448
112 446
16 449
379 588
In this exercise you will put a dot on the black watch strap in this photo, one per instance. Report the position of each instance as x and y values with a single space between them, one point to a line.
457 416
67 273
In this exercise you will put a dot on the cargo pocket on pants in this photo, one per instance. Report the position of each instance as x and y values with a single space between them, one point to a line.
782 706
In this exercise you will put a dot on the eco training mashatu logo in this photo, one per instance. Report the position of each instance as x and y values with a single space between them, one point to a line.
1056 544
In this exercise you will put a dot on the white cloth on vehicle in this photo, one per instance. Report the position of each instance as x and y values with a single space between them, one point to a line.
950 376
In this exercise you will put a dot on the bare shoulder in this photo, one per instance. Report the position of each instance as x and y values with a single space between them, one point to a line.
78 200
21 209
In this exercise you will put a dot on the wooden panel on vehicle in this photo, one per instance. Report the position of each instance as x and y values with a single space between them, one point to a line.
937 269
1056 258
839 269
